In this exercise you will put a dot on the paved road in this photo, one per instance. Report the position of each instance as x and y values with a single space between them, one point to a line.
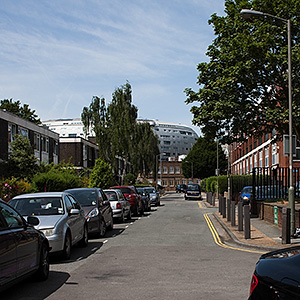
168 254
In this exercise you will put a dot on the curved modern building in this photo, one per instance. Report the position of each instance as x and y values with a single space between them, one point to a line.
174 139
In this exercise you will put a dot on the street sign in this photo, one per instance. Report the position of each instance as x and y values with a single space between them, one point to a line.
275 215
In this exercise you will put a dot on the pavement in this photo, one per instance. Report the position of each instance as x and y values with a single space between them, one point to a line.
264 235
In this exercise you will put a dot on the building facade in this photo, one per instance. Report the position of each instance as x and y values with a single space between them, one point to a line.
44 141
174 139
263 152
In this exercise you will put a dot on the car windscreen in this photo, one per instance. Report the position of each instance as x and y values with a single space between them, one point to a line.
150 190
39 206
85 197
247 191
193 187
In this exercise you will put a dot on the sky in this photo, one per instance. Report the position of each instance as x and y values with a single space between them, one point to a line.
56 55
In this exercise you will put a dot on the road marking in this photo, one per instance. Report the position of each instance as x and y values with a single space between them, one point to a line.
218 240
200 204
104 242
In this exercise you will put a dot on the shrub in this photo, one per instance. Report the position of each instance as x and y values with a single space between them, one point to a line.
102 175
12 187
129 179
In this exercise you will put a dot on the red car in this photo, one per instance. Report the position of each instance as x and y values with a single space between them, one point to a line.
133 197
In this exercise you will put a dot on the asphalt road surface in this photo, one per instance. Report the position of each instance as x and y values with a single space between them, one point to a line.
170 253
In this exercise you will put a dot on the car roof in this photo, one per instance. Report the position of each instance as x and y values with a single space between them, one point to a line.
80 189
44 194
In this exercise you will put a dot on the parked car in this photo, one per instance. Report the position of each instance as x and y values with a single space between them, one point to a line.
61 219
180 188
120 206
245 194
193 191
133 197
97 209
277 275
154 195
24 251
146 198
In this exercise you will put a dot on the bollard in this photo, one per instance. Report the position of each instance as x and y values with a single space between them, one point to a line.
240 216
213 201
286 225
224 207
220 204
232 213
208 197
247 221
228 210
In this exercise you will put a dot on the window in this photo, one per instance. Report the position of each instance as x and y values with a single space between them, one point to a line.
267 157
260 159
171 170
12 218
37 142
23 131
255 160
177 170
165 170
12 131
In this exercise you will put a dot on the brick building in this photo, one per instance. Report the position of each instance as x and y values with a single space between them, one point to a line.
260 152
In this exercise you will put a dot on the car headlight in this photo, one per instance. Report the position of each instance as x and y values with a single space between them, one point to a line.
245 198
48 231
93 213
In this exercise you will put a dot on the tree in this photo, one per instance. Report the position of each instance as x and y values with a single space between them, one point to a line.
146 148
22 111
102 175
203 159
119 135
21 161
244 86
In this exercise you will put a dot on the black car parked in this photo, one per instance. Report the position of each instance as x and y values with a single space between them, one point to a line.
23 250
97 209
277 275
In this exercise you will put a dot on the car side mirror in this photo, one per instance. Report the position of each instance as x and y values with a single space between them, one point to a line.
34 221
74 211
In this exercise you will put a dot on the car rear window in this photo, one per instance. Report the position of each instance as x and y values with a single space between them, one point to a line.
193 187
85 197
111 195
125 190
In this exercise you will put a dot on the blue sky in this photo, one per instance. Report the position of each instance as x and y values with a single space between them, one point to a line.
56 55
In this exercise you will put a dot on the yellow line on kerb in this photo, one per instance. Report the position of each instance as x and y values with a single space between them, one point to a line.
218 240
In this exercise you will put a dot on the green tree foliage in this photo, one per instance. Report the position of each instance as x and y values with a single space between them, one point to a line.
22 111
56 178
21 161
203 159
102 175
118 134
244 86
145 150
129 179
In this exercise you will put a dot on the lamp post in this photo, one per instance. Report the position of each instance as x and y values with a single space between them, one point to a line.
246 14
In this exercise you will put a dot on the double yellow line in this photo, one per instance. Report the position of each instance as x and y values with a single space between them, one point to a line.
217 238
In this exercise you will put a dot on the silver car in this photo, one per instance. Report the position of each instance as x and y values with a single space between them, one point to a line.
62 219
120 206
154 195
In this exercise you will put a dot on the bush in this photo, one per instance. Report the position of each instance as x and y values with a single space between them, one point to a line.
55 181
129 179
102 175
12 187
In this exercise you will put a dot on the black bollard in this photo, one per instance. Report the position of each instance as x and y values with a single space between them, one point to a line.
247 222
228 210
240 216
232 213
286 225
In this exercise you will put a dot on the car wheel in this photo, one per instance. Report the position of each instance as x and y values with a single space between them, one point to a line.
43 270
67 246
84 241
122 218
102 229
